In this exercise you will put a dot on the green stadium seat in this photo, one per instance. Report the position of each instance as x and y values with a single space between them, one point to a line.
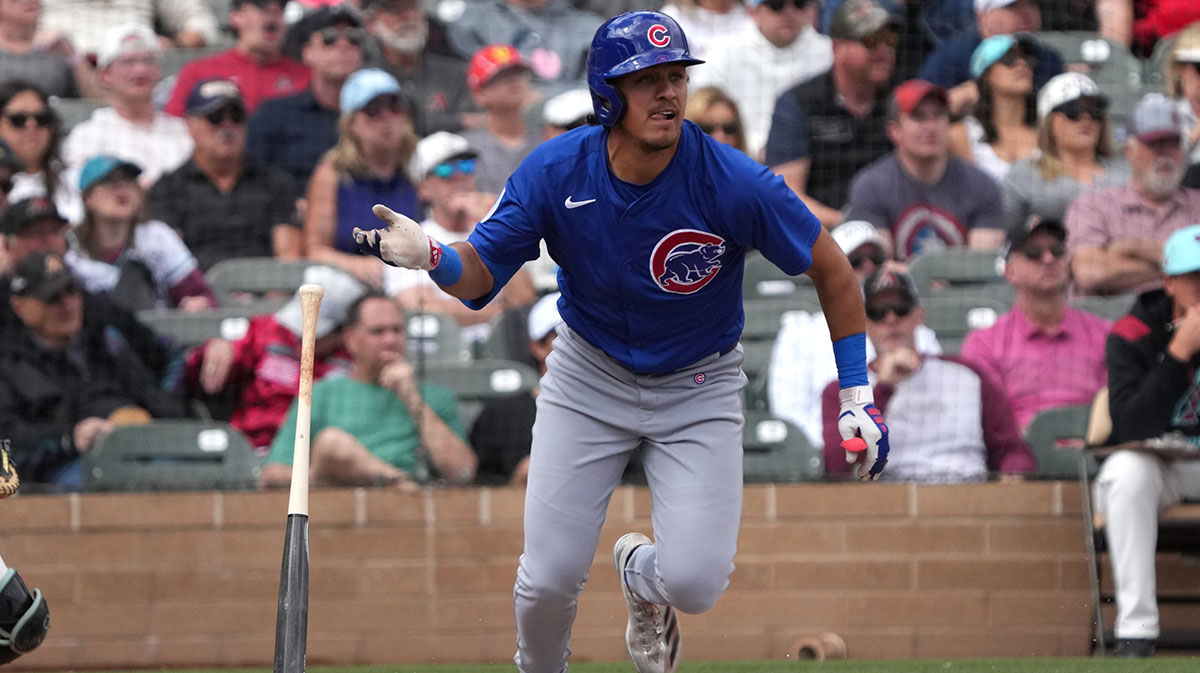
775 450
188 329
475 382
263 284
1113 308
762 280
952 315
435 337
1057 439
170 455
957 269
74 110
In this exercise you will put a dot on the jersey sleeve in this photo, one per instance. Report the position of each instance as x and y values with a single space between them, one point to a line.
508 236
779 224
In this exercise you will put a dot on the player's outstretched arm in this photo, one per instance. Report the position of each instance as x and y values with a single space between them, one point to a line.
456 268
860 423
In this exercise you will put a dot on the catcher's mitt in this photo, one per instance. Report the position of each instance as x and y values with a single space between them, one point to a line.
9 483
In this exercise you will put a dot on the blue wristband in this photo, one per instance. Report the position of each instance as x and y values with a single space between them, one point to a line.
449 269
850 354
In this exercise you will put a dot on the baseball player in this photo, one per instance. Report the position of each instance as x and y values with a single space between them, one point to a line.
24 617
649 220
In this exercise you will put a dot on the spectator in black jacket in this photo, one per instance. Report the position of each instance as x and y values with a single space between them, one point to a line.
1152 357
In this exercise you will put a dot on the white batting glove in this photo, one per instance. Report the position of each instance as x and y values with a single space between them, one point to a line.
401 243
864 434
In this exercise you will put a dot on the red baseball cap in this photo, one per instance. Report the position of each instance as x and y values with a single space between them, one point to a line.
910 94
489 61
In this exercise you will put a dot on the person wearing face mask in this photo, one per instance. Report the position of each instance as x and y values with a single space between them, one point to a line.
1116 235
255 63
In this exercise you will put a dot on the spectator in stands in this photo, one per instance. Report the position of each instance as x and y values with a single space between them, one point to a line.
754 66
222 204
826 129
567 111
292 133
707 23
1140 24
258 374
438 82
255 63
925 198
34 132
1117 234
10 165
949 423
1044 353
1152 355
801 366
31 225
949 65
717 115
499 79
132 129
552 36
503 431
367 427
366 166
139 263
60 385
926 24
1181 81
1002 128
186 23
444 166
27 55
1074 155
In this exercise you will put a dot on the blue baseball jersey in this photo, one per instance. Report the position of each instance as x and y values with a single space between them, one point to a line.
650 274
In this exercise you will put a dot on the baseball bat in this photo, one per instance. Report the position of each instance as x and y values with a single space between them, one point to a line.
291 618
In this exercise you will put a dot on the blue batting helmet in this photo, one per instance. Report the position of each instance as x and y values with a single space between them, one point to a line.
626 43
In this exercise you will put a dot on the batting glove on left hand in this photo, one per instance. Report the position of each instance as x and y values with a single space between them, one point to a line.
866 435
400 243
9 481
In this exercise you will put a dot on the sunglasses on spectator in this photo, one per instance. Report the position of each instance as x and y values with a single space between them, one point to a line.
381 104
729 128
779 5
448 168
1014 56
857 259
887 37
21 119
330 34
1075 109
1035 252
878 312
233 113
68 291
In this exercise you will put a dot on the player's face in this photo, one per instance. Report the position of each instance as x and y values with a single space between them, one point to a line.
654 103
892 320
1040 265
924 134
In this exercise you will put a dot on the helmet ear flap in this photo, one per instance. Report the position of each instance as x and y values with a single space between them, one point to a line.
607 103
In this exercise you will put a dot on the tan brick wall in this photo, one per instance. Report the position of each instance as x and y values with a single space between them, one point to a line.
174 580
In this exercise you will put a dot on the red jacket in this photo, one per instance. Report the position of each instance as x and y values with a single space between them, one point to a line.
265 377
257 81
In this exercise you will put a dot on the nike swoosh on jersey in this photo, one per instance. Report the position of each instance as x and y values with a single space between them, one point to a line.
575 204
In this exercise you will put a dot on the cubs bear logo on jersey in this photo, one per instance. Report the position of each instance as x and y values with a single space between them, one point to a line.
686 260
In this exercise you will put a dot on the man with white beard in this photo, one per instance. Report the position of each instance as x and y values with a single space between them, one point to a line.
1115 236
438 83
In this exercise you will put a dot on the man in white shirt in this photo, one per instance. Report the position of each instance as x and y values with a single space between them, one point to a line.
757 64
132 128
187 23
444 166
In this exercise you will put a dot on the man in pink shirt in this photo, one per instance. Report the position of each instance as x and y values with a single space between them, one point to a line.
256 63
1044 353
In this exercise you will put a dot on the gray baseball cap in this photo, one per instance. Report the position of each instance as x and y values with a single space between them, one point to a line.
1155 117
856 19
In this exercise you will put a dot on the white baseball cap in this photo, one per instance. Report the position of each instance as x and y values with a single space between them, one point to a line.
855 233
435 149
124 39
982 6
544 317
341 291
1065 88
568 108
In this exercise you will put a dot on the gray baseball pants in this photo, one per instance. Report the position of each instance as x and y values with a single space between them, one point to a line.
592 413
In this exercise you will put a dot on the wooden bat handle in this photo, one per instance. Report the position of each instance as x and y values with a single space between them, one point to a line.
310 308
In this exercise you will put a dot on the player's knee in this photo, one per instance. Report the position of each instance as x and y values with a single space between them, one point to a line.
24 617
693 590
550 581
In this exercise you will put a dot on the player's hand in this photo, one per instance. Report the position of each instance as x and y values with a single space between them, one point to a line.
400 243
866 435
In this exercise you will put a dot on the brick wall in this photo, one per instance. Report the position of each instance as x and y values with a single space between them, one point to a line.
191 580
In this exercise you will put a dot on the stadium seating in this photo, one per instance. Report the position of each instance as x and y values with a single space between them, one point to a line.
762 280
476 381
188 329
776 450
74 110
261 284
435 337
952 315
958 269
170 455
1111 308
1057 439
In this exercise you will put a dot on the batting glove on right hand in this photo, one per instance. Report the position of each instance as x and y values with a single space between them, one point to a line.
400 243
864 433
9 481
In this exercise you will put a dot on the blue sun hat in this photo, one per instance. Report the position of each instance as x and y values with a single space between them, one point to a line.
1181 254
100 167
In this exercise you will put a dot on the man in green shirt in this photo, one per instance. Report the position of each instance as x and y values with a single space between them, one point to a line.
367 427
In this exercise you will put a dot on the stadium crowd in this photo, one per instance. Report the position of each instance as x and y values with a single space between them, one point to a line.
145 144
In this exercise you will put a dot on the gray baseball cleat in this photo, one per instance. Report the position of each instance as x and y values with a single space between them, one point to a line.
652 635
